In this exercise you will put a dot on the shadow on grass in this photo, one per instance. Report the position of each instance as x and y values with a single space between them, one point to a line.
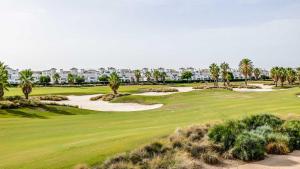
16 112
55 110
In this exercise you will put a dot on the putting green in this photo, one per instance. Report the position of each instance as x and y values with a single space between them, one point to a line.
60 137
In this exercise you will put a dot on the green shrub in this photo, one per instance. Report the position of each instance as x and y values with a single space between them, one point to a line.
226 133
255 121
277 148
278 138
53 98
292 128
249 146
210 158
263 130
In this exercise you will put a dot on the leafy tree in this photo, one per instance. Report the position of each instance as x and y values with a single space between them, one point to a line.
56 78
137 74
224 71
282 75
26 82
229 78
291 75
246 68
214 70
186 75
114 82
163 76
44 80
156 75
148 76
71 78
79 79
3 79
256 73
103 78
275 75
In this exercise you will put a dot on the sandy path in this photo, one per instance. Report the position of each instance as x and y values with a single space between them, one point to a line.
85 103
180 90
264 88
291 161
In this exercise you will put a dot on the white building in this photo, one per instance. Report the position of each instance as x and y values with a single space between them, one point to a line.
13 75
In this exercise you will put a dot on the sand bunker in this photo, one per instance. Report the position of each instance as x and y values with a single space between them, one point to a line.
264 88
180 90
290 161
85 103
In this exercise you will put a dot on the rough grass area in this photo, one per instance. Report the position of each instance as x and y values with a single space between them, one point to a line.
61 137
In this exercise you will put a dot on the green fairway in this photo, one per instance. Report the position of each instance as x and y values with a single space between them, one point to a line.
78 90
58 137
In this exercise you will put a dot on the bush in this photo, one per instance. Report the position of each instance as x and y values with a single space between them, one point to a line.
53 98
292 128
161 90
8 105
249 146
154 149
278 138
263 130
226 133
120 158
210 158
13 98
277 148
197 150
255 121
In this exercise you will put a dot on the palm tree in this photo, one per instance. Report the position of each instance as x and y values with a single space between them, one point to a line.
275 75
214 73
291 75
137 74
3 79
246 67
282 75
114 82
156 75
224 71
26 82
298 74
148 76
163 76
56 78
256 73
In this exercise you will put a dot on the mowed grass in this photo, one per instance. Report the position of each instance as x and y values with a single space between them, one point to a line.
79 90
58 137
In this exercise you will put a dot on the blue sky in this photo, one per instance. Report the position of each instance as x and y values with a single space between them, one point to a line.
41 34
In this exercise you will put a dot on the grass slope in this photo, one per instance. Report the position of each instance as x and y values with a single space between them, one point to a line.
60 137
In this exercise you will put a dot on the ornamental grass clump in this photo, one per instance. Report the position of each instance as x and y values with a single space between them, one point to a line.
53 98
255 121
210 158
292 128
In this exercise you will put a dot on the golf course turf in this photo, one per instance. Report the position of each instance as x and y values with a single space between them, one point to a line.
57 137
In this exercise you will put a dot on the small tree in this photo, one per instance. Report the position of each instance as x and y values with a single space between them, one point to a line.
224 72
229 78
71 78
79 79
3 79
56 78
163 76
44 80
275 75
137 74
26 82
156 75
256 73
148 76
291 75
214 70
298 75
246 68
282 75
114 82
103 78
186 75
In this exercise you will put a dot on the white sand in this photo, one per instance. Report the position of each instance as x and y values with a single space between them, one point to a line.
180 90
85 103
264 88
290 161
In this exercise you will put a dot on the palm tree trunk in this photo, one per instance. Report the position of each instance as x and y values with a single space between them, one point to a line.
26 96
246 81
1 93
